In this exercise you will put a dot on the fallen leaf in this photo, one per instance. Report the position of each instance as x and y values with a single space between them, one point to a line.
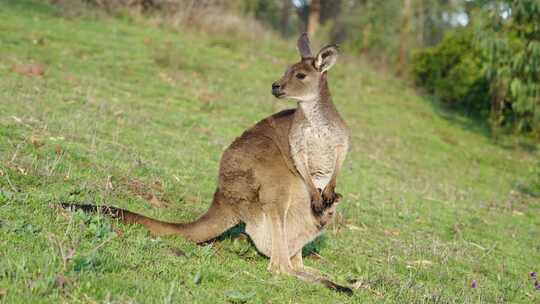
109 184
201 129
192 199
353 227
22 170
420 263
31 69
391 232
36 142
207 97
70 253
61 281
166 78
117 230
518 213
147 193
158 185
177 252
58 150
72 79
357 284
155 202
56 138
3 292
39 41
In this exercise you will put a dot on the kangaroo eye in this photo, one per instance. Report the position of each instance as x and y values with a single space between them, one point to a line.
300 76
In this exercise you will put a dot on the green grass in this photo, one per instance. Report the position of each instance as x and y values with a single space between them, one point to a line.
126 111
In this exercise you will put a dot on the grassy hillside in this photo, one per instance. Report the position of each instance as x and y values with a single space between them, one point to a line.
113 111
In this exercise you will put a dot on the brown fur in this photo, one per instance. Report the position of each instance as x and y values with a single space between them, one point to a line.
260 184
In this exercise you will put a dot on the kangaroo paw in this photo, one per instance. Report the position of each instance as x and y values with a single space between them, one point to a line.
330 198
317 202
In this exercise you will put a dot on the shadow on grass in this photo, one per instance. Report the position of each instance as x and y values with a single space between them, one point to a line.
468 121
478 124
239 230
502 138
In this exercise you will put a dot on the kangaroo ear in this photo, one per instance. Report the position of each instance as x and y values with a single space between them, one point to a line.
303 46
326 58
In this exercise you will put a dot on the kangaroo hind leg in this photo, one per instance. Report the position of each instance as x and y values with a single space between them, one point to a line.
276 204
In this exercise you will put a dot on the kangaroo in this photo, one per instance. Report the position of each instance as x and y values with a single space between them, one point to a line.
279 176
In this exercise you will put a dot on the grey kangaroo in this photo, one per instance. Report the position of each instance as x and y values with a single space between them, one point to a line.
279 176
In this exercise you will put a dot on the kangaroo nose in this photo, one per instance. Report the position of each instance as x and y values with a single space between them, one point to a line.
276 90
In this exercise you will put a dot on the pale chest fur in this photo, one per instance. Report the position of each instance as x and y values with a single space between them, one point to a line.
320 143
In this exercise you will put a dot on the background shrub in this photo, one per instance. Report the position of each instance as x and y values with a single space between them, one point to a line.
452 70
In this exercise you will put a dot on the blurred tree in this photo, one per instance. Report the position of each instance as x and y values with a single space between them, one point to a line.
267 11
314 13
285 14
404 36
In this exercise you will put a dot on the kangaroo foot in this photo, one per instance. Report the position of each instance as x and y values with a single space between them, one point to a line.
339 288
305 275
279 268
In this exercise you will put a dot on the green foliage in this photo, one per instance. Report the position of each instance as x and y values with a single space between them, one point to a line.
452 70
511 46
491 66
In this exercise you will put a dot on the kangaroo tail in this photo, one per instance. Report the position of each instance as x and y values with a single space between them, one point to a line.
210 225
